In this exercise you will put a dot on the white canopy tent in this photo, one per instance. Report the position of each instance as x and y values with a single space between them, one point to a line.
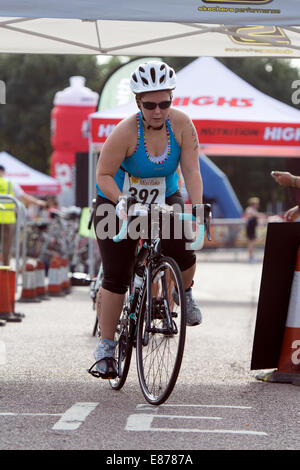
139 27
230 115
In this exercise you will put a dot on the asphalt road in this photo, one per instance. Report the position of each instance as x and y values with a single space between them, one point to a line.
48 401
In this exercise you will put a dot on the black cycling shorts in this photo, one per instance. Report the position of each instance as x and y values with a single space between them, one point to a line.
251 228
118 258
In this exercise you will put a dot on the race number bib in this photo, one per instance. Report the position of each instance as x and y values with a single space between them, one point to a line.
146 190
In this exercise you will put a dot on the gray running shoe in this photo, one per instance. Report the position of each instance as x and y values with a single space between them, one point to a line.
105 357
193 314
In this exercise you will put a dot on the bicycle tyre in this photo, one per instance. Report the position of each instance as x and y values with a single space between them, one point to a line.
154 359
124 335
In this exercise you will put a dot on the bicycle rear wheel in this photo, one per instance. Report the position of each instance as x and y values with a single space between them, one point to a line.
160 347
124 335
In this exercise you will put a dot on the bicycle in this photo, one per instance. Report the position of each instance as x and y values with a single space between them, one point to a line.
153 318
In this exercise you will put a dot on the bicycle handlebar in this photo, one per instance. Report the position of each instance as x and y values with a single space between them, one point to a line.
198 243
195 245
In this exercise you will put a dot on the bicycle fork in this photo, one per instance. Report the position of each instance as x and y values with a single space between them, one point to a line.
169 326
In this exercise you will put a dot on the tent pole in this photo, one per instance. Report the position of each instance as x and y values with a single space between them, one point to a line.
90 201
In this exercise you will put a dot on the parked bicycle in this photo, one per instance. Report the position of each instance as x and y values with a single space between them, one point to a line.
153 319
59 234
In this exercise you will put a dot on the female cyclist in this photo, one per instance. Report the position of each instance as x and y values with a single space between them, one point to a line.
146 147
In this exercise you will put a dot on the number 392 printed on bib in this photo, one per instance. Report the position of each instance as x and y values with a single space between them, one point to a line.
146 190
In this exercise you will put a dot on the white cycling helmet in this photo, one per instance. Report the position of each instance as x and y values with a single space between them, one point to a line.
152 76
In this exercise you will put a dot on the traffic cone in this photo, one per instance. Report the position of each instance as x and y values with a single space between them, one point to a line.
54 275
289 361
6 307
29 290
41 288
12 276
12 283
66 284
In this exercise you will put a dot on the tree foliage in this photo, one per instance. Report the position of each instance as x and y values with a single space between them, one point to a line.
31 83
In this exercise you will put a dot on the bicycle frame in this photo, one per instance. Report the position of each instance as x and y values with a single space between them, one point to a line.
154 254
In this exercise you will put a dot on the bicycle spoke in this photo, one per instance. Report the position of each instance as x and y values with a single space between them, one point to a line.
158 369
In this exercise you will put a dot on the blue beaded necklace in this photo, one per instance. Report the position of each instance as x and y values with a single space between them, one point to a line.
160 158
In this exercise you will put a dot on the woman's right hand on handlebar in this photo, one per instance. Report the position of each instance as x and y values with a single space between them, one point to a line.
123 206
121 209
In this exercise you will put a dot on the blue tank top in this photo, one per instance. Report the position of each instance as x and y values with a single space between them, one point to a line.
143 165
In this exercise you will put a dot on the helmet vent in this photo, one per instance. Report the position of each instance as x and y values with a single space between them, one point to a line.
153 74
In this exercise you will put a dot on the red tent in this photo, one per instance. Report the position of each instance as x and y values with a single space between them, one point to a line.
231 116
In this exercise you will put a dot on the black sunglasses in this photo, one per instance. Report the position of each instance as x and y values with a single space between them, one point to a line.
151 106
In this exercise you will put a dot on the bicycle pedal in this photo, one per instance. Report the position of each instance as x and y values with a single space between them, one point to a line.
94 373
98 375
109 377
109 374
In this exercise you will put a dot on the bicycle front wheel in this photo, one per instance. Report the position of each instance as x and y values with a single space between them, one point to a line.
161 332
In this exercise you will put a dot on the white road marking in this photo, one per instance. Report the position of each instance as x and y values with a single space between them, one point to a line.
2 353
75 416
152 407
143 422
187 417
30 414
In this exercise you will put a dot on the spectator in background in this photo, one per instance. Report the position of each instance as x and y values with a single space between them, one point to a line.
8 216
52 202
284 178
252 215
